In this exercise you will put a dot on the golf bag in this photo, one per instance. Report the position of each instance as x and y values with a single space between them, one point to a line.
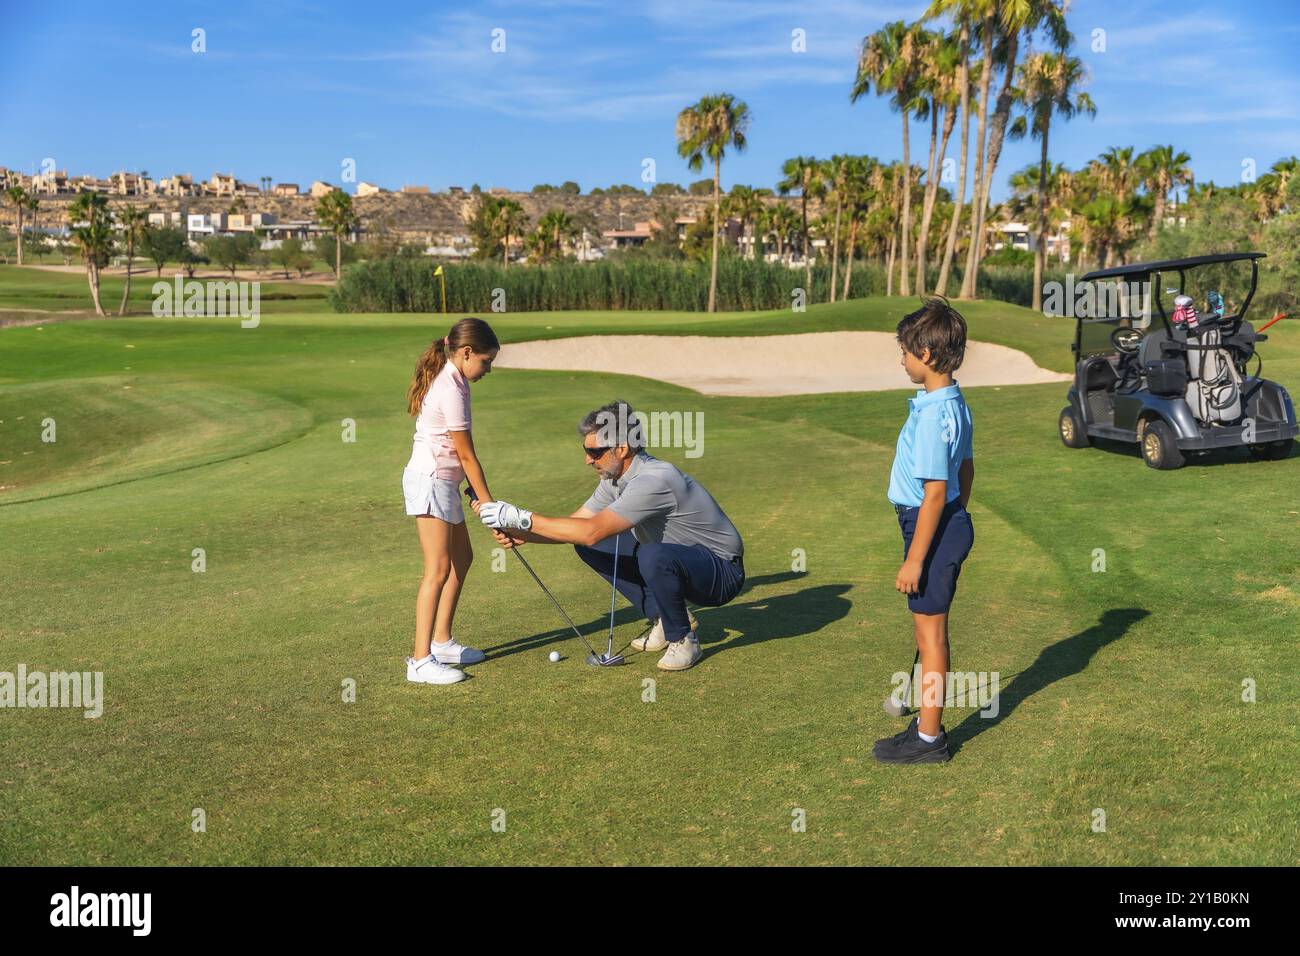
1214 384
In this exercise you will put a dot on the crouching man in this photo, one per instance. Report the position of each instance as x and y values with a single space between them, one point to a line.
682 546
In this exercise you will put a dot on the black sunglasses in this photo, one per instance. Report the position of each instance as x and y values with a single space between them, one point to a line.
597 452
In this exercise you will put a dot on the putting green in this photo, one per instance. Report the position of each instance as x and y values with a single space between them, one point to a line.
225 689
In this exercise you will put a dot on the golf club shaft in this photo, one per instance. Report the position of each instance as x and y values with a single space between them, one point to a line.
907 692
613 592
469 493
557 604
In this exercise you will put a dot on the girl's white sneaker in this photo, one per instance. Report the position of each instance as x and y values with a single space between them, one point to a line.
429 671
454 652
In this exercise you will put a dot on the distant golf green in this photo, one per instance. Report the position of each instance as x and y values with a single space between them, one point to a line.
47 290
1121 689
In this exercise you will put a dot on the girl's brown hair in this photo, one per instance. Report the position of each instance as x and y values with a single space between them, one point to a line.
475 333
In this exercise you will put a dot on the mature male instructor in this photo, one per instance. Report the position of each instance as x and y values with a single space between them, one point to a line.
684 549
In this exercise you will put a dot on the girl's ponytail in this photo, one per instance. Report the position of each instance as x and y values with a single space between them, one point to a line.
475 333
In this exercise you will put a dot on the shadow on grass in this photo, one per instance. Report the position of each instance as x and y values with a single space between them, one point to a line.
594 631
1066 657
772 618
782 615
1209 459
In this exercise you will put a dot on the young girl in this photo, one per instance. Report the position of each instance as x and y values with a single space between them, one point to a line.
442 455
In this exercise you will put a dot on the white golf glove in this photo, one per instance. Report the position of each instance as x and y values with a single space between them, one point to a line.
504 516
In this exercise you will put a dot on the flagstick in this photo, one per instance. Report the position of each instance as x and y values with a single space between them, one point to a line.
442 281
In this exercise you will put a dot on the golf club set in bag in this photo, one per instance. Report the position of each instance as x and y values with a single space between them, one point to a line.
609 658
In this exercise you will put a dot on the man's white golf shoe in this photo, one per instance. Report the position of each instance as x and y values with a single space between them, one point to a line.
654 640
682 654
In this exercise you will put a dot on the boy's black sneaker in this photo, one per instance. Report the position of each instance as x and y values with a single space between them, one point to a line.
908 747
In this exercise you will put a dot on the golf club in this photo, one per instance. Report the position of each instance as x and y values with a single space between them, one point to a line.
895 707
611 659
593 657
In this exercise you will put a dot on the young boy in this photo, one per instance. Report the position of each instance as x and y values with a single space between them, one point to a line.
929 486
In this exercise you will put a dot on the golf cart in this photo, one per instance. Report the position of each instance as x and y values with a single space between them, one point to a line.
1174 381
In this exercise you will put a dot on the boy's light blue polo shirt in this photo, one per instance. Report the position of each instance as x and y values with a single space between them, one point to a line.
934 441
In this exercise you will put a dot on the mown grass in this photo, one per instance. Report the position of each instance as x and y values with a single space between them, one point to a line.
39 291
1121 690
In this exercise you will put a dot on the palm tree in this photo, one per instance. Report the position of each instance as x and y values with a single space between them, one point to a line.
939 64
982 15
836 172
553 228
803 173
781 222
893 178
1161 169
132 221
1075 189
999 24
510 219
1269 192
746 204
34 207
334 210
1014 18
94 239
890 61
858 198
963 106
707 129
1117 170
1109 221
17 197
1049 85
1283 171
767 226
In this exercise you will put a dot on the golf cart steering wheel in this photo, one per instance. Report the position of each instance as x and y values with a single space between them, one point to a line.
1126 340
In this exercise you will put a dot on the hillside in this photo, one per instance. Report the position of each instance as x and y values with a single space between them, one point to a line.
435 218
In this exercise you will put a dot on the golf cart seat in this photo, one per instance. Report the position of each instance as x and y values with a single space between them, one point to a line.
1100 375
1243 340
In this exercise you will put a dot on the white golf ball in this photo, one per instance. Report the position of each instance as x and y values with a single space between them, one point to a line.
555 656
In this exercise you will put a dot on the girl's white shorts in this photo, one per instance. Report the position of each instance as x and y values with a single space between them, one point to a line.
428 495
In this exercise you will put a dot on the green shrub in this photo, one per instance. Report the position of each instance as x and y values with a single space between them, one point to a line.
407 284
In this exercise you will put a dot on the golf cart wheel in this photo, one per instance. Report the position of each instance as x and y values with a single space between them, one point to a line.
1073 433
1159 448
1273 450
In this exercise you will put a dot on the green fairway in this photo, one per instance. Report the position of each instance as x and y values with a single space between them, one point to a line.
38 291
224 690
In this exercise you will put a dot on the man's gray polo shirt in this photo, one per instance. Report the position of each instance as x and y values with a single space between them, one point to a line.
667 505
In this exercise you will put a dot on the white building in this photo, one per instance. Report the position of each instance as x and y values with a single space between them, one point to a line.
199 224
1019 235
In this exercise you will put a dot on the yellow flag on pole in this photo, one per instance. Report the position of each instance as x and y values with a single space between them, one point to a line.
438 271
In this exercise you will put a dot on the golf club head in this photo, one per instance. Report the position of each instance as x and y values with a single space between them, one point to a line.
605 660
895 708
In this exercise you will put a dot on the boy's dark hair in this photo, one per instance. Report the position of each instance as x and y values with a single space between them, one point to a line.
939 327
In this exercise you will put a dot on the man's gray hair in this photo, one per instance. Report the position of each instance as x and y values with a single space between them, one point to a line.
616 423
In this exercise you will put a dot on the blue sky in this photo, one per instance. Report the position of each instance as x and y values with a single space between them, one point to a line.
585 89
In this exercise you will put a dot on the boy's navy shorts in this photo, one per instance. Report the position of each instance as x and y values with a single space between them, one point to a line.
952 543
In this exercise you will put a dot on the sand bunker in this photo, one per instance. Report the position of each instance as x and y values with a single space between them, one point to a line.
799 364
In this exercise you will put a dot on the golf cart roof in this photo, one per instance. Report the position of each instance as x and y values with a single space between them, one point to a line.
1168 265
